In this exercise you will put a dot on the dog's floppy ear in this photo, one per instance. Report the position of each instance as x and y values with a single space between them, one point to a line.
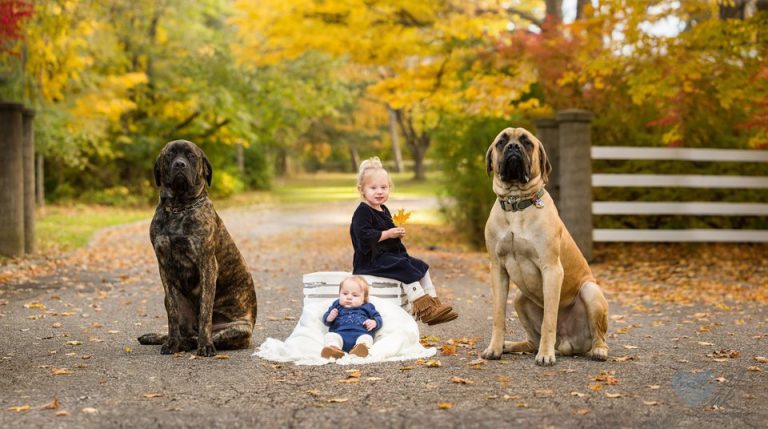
489 160
207 170
157 172
545 167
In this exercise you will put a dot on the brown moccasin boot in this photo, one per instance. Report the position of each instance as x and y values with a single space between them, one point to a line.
442 318
360 350
331 352
428 309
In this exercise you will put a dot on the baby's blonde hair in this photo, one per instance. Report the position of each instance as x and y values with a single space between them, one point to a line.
360 282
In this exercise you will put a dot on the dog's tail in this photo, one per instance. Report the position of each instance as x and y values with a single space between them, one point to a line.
152 339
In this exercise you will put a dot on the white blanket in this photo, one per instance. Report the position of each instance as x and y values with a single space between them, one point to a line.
398 338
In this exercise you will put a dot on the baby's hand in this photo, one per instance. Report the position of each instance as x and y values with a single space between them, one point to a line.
332 315
370 324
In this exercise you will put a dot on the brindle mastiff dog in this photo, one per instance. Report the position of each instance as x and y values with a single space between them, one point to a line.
558 302
209 293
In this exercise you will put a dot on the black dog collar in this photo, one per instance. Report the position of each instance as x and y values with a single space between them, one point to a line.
516 205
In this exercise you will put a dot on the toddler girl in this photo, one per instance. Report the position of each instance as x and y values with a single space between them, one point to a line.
380 252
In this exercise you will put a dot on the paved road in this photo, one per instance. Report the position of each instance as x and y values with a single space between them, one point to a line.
69 326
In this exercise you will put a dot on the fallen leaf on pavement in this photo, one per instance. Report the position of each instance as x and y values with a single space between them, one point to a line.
761 359
582 411
754 368
448 350
89 410
35 305
153 395
651 402
613 395
221 357
338 400
74 343
60 371
578 394
725 353
543 393
53 405
631 347
622 358
20 408
459 380
444 405
477 363
62 413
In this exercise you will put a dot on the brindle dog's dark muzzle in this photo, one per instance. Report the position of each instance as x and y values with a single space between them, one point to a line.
514 164
181 173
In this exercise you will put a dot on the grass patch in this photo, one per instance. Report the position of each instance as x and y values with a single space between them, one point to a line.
64 228
330 187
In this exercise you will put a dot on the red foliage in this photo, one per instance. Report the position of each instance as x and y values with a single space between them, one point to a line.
11 14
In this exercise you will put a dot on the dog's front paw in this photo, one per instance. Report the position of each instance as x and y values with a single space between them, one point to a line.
170 347
545 359
206 350
598 353
491 354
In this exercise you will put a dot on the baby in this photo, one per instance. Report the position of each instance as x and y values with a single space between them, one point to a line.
351 320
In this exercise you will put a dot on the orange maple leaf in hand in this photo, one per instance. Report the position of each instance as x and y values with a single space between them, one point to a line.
401 217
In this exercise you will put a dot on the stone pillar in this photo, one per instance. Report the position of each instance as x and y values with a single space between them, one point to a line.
28 155
547 132
576 176
11 180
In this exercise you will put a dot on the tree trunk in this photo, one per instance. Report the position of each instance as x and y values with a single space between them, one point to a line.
395 140
554 12
40 178
240 155
580 4
355 157
281 163
418 143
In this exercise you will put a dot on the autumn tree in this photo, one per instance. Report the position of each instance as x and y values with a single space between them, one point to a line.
417 56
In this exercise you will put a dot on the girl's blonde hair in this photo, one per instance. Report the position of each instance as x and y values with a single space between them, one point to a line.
367 167
360 282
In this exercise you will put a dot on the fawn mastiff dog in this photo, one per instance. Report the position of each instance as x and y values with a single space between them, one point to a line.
209 293
558 302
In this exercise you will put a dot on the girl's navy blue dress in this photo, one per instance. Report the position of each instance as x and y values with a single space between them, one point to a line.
349 323
387 258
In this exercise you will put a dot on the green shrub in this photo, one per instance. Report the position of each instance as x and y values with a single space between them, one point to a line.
466 188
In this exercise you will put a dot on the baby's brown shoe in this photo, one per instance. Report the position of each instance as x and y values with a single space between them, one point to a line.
360 350
331 352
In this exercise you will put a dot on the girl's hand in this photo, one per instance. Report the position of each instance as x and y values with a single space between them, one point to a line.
332 315
370 324
398 232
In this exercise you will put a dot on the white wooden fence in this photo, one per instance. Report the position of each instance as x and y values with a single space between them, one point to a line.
700 208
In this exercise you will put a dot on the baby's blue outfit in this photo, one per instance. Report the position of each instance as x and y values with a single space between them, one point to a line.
349 323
